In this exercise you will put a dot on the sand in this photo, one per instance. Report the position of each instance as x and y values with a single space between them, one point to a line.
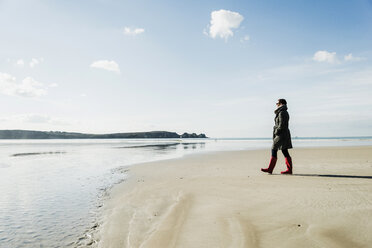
224 200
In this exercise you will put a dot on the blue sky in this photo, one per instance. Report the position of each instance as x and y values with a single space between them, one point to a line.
215 67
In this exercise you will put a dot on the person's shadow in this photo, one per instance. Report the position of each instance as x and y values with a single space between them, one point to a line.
331 175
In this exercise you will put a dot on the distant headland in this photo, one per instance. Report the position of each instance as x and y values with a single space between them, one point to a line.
28 134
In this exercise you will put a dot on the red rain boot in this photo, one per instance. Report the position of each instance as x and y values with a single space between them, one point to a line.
271 165
288 162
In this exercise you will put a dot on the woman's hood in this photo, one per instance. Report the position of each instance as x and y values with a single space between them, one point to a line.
281 108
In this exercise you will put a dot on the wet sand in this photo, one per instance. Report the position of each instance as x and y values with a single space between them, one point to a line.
224 200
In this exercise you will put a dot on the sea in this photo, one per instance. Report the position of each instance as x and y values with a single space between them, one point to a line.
51 191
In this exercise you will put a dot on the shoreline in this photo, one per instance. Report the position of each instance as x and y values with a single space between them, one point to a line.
174 202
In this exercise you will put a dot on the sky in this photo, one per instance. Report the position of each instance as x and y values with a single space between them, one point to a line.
213 67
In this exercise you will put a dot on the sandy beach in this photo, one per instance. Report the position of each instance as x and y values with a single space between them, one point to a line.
222 199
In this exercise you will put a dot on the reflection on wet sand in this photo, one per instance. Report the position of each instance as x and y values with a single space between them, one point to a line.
166 146
193 145
36 153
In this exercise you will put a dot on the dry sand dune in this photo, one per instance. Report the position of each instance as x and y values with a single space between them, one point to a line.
223 200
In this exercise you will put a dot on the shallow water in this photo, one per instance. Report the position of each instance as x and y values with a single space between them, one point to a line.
51 190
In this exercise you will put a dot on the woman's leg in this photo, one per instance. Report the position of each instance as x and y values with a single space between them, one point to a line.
274 155
285 153
288 162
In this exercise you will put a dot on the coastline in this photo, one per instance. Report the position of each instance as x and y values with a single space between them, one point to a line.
222 199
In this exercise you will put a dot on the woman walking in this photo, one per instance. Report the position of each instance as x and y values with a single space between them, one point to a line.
281 138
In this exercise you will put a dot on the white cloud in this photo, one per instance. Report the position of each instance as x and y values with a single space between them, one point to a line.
106 65
28 88
245 38
20 63
36 118
324 56
34 62
331 57
133 31
53 85
33 119
7 83
350 57
222 22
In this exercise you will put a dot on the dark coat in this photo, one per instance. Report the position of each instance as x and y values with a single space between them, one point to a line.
281 134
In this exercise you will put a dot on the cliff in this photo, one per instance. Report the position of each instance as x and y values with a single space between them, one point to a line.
27 134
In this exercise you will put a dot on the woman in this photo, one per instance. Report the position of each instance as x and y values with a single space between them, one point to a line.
281 138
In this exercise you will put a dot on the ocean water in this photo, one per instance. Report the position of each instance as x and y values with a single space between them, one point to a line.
51 190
